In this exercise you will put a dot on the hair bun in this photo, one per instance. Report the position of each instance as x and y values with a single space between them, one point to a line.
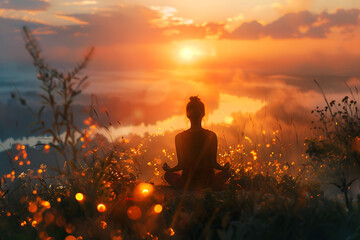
195 99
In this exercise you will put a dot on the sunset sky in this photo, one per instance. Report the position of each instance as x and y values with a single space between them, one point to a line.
150 55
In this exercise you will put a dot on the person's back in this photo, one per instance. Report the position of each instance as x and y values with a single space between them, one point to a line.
197 147
196 150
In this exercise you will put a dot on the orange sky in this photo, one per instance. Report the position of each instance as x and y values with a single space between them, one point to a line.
150 56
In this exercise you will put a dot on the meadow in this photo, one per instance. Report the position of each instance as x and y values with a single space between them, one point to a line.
283 185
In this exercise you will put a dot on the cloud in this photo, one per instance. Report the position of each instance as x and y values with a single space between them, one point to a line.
80 3
12 26
124 37
149 101
248 30
70 18
303 24
106 27
12 43
120 25
128 25
32 5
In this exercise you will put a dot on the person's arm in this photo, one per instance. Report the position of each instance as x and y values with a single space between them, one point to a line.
173 169
216 165
179 166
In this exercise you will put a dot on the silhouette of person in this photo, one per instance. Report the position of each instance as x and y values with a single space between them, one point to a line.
196 150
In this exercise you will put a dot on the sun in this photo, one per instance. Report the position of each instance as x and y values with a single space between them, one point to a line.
193 52
189 54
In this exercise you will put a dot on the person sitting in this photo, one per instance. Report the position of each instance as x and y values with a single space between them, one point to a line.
196 150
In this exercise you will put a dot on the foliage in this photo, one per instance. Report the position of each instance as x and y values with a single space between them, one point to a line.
336 147
259 215
101 174
59 91
338 132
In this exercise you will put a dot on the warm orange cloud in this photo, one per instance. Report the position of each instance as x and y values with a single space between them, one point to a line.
71 19
299 25
80 3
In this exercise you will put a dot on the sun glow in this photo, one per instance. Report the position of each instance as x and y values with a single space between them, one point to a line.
189 54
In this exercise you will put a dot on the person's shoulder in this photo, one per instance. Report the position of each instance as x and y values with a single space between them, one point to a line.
179 135
210 133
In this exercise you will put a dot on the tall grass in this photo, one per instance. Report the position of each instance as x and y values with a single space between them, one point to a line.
335 151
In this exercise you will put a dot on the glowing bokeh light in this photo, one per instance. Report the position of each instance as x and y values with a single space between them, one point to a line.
49 218
134 212
116 235
101 207
69 228
70 237
143 190
103 224
45 204
171 232
32 207
158 208
79 197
